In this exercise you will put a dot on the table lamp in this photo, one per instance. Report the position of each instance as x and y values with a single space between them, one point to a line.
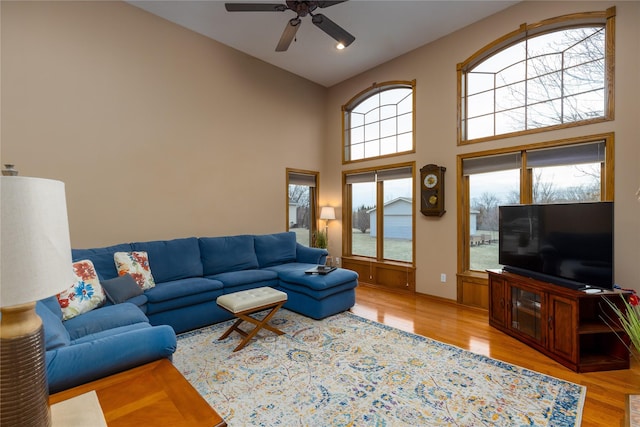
35 263
327 213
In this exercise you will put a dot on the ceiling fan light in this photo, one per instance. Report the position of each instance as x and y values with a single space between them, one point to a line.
340 46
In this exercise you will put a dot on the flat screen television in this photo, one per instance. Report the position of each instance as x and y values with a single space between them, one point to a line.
566 244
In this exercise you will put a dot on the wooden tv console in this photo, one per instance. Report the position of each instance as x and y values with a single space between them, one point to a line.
562 323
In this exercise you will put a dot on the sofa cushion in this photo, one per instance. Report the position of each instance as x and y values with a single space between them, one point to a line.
240 278
85 294
121 288
137 265
273 249
140 301
102 259
55 334
105 318
316 282
229 253
172 259
110 332
181 288
182 293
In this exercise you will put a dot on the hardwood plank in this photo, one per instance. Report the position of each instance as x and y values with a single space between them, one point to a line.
152 394
468 328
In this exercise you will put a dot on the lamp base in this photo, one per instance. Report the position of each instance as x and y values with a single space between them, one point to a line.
24 392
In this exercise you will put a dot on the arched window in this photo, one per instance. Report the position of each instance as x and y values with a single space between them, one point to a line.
379 122
557 73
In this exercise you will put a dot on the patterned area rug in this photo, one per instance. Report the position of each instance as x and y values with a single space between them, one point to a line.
349 371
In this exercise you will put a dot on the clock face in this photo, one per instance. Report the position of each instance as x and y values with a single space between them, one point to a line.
430 180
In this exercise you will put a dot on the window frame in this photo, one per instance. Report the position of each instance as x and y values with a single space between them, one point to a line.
313 201
375 89
526 183
524 32
348 220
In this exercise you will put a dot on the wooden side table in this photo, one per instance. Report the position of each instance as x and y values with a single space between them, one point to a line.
153 394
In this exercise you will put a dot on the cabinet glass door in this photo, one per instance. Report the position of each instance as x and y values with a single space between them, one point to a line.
526 316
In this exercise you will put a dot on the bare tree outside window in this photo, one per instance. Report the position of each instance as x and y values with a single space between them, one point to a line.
563 184
547 80
299 196
553 184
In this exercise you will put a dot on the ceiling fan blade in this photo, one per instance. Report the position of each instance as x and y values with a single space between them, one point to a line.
255 7
322 4
334 30
288 35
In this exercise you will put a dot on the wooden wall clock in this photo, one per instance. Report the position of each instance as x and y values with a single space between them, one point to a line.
432 190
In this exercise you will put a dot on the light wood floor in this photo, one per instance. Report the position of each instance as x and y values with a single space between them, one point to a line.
469 328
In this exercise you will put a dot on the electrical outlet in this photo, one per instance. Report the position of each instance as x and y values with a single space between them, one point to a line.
336 260
443 277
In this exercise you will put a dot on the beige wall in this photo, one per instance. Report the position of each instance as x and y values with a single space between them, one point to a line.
159 132
434 68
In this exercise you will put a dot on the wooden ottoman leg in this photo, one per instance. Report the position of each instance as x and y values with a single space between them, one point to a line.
233 327
260 324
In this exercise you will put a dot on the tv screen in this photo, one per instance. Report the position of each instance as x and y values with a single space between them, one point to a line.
566 244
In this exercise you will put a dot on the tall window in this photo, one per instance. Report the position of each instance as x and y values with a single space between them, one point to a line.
302 204
379 121
575 172
381 213
553 74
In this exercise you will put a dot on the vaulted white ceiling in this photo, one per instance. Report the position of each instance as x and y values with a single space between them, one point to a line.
383 29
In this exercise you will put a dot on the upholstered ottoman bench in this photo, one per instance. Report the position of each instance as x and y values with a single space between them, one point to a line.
317 295
242 304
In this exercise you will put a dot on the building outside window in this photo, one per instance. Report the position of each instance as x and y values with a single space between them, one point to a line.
381 213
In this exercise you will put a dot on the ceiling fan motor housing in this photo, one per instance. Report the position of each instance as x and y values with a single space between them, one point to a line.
302 8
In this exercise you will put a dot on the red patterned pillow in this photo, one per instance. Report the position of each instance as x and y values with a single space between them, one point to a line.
85 294
137 265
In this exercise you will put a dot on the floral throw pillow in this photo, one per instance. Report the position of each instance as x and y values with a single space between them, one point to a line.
85 294
137 265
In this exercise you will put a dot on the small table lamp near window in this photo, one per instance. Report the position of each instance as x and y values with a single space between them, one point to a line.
327 213
35 263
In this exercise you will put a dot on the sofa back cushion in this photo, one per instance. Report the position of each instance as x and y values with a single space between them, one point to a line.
229 253
172 259
53 305
102 259
55 334
274 249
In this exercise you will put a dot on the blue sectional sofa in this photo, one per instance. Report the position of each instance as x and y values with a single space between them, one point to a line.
190 274
99 343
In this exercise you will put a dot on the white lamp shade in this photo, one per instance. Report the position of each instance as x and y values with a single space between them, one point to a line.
328 212
35 251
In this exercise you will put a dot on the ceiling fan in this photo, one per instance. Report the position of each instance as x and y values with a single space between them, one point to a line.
301 8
